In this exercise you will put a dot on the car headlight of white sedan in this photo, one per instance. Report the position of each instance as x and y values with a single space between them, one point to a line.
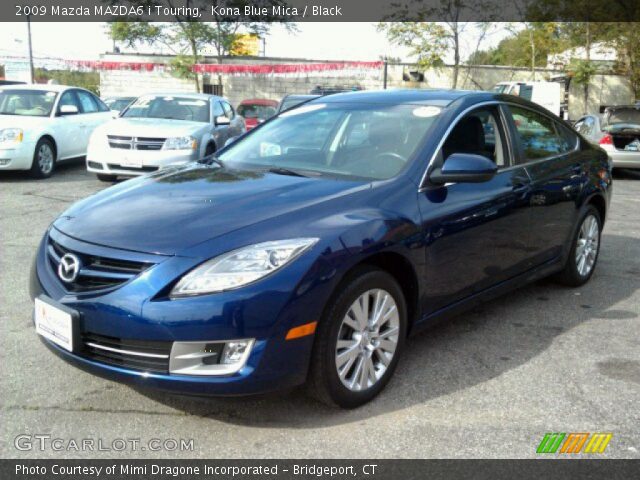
11 136
180 143
241 267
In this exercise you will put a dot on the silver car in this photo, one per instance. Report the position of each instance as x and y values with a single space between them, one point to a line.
617 131
160 130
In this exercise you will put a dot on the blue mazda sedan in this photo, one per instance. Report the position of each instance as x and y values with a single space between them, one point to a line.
308 250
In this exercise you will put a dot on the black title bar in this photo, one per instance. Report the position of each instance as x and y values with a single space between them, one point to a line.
319 10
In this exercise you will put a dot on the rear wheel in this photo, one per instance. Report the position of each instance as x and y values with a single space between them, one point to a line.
103 177
584 250
44 159
359 340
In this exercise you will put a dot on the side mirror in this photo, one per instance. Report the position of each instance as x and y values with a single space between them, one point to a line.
221 120
464 168
68 110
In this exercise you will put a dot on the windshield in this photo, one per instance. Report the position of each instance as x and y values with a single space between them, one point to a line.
173 108
629 115
261 112
372 142
28 103
500 88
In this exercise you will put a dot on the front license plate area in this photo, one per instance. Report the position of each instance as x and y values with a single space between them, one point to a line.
56 323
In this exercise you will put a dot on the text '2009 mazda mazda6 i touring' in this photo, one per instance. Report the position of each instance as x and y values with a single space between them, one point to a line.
308 250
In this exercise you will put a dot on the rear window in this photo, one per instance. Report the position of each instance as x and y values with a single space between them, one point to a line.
261 112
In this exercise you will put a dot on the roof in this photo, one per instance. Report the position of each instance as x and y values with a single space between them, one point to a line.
421 96
260 101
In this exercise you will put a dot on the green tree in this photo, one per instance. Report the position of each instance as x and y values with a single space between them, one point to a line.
187 38
430 42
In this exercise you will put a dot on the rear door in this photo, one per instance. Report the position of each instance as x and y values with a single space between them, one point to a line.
476 233
549 150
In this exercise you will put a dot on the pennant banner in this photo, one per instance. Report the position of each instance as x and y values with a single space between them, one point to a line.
224 68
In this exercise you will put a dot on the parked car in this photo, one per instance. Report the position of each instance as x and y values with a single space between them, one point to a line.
307 250
290 101
617 131
257 110
118 104
160 130
41 125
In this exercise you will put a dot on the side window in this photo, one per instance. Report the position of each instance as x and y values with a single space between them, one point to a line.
102 107
228 110
86 102
569 139
218 111
481 133
69 98
537 134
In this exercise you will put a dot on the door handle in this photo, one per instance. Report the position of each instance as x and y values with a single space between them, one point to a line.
520 187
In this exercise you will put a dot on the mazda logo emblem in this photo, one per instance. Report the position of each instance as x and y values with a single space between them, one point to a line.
69 267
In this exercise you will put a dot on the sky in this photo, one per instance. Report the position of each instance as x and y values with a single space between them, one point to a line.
321 41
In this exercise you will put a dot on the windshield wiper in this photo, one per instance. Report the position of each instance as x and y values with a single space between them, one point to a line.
211 159
286 171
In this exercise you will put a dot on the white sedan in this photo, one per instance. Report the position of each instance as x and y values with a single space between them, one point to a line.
41 125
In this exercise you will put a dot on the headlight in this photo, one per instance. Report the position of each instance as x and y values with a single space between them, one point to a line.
11 135
180 143
241 267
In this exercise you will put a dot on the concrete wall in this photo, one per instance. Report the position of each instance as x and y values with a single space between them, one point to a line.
604 89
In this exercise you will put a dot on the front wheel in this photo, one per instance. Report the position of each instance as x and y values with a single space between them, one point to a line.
359 340
585 248
44 159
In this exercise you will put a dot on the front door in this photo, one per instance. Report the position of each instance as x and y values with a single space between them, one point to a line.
476 233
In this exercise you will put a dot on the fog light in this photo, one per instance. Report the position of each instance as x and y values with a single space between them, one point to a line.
4 162
209 358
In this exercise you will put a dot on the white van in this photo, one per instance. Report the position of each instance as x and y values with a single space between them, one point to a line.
547 94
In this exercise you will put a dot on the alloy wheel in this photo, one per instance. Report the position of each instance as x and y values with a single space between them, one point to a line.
45 159
367 339
587 245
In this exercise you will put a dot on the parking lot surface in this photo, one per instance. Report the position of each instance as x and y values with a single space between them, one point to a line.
489 383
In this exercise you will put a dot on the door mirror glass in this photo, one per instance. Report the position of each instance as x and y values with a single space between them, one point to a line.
68 110
464 168
221 120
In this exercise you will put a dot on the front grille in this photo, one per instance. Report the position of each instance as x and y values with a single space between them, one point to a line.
148 356
96 273
135 143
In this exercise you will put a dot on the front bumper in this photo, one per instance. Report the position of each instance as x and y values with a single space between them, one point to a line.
113 161
19 157
137 312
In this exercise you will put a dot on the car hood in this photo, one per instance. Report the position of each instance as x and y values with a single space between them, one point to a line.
169 212
22 121
151 127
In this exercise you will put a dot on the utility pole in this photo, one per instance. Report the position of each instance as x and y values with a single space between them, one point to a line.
31 70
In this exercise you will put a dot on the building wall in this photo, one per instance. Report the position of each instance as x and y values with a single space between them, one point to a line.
604 89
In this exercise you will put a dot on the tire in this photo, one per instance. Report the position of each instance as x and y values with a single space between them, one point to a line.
103 177
44 159
324 382
580 265
210 150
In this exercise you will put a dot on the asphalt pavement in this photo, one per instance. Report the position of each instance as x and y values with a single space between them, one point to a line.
488 384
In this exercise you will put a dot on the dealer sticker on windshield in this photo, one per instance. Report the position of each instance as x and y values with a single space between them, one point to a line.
425 112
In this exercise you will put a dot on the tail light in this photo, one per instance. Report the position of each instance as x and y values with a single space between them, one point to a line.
606 140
